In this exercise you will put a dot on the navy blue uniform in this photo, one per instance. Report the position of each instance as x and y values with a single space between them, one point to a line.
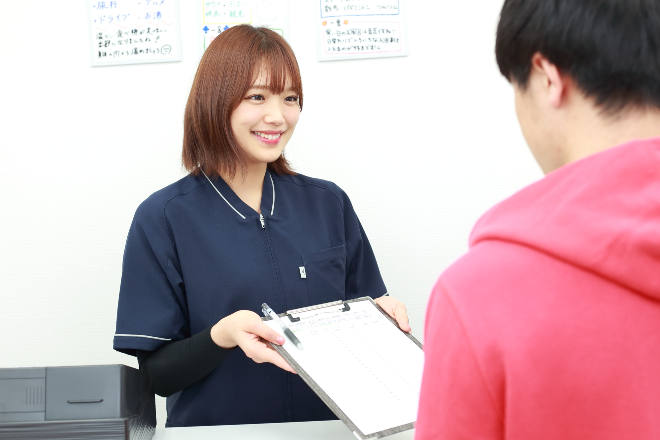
196 253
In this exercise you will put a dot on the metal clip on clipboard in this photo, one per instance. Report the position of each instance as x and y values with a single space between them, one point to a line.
308 312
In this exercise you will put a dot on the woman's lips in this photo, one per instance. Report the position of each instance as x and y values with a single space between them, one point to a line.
270 138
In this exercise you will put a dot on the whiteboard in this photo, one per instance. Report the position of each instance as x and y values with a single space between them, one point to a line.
350 29
220 15
133 31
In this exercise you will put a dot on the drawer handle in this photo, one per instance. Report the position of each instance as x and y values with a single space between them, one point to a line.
85 401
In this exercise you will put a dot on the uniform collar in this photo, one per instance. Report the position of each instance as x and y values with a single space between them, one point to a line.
229 197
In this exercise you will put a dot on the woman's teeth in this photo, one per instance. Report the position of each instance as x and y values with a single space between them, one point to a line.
268 136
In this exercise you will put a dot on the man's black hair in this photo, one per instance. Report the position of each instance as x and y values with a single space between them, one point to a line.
611 48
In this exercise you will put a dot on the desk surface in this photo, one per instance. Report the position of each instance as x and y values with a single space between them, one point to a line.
329 430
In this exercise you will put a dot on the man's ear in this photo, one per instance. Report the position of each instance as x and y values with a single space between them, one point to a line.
553 83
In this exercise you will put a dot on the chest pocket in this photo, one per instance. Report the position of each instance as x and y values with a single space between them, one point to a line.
325 273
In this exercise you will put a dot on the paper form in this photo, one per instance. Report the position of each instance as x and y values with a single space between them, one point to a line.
366 365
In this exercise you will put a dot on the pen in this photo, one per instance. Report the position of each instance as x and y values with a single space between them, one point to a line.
269 312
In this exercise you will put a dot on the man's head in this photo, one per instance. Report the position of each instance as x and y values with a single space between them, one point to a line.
571 61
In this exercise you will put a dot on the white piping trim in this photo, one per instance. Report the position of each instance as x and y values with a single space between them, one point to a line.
223 197
143 336
271 182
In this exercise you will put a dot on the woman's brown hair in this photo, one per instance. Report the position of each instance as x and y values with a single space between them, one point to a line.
225 74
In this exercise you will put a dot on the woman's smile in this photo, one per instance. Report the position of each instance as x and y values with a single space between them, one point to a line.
269 137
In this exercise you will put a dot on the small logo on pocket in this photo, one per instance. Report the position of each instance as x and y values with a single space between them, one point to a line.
303 274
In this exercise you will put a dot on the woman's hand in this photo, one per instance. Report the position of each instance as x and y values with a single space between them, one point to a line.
246 329
396 310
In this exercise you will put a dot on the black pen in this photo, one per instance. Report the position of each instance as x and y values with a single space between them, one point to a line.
269 312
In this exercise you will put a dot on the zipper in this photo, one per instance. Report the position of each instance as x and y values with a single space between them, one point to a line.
262 220
289 403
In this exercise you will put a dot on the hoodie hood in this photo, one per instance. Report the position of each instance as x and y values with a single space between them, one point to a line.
601 214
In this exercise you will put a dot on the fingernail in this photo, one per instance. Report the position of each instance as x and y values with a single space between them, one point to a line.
280 340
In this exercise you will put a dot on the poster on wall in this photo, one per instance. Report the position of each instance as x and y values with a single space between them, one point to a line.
133 31
350 29
220 15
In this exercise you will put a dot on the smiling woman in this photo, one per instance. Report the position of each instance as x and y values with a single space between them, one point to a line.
248 77
241 229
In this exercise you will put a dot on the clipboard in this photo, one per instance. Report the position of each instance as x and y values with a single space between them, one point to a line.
334 312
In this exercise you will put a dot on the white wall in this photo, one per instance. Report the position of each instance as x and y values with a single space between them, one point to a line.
422 144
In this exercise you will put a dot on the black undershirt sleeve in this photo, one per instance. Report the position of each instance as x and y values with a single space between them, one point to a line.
179 364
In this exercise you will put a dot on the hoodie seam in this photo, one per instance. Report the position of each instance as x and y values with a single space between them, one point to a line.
568 263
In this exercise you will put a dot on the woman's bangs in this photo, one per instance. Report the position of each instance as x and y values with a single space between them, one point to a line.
278 69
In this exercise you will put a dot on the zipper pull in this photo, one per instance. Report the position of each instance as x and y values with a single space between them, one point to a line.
263 221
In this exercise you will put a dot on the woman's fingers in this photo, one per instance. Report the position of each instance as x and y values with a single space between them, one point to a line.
401 316
262 330
260 351
264 352
396 310
252 335
267 354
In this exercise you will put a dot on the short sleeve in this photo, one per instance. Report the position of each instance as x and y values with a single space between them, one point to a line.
363 277
152 308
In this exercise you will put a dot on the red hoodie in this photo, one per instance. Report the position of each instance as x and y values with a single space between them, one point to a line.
549 327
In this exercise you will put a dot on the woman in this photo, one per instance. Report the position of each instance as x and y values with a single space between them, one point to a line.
241 229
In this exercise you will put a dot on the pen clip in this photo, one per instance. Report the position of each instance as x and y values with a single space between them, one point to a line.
266 310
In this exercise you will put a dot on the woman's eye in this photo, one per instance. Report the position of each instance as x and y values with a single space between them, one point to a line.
291 99
256 97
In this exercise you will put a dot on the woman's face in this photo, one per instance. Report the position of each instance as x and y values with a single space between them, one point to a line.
264 122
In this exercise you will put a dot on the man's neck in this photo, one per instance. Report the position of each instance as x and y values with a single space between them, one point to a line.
592 132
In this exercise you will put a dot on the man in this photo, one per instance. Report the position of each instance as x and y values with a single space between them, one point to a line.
549 327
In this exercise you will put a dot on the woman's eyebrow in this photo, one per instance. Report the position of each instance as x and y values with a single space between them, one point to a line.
264 87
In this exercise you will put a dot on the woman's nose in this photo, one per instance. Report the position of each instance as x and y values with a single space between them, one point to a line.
274 114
